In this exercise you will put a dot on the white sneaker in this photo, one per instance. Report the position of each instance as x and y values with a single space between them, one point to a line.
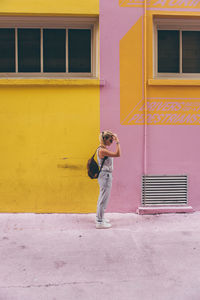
103 225
104 220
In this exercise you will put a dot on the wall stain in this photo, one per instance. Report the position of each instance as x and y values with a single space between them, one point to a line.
72 167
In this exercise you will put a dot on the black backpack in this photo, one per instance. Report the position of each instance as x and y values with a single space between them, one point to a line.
93 168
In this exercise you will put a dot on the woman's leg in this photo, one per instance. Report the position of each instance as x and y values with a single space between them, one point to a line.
105 183
109 186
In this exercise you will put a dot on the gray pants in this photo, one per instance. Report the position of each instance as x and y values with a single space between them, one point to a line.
105 184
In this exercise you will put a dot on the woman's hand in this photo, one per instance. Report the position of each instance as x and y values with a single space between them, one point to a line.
115 138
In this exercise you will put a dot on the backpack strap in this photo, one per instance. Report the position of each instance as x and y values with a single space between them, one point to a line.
96 151
105 157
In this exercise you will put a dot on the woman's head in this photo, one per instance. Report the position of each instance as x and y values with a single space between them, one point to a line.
106 137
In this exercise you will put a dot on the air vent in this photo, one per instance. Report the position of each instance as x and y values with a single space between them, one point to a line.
164 190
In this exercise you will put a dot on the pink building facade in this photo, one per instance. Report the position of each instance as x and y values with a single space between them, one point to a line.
165 142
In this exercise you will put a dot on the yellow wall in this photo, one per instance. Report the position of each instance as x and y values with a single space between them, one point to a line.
131 69
69 7
48 132
182 91
159 92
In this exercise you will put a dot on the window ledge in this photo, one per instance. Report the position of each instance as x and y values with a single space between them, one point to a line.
51 82
174 82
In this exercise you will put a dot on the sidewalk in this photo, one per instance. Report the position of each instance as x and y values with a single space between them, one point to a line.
63 257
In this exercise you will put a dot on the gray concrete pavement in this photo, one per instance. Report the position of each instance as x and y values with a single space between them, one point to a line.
63 257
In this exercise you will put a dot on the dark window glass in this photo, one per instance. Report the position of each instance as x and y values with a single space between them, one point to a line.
168 51
191 51
28 50
7 50
54 51
79 49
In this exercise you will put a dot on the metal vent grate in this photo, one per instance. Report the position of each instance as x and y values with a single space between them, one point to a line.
164 190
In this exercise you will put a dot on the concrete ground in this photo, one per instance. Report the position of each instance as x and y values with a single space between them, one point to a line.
63 257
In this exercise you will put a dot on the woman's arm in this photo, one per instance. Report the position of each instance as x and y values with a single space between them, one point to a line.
104 152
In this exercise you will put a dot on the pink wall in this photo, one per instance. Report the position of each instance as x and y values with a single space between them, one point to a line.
114 23
176 150
171 149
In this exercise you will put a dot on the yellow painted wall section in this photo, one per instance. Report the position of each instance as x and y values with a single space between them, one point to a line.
48 130
47 134
185 93
69 7
169 101
131 69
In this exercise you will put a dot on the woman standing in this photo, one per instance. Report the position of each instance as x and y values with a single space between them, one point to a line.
105 177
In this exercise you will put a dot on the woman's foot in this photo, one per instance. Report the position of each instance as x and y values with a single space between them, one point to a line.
104 220
103 225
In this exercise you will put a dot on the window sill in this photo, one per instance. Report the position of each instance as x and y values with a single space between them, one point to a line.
51 82
174 82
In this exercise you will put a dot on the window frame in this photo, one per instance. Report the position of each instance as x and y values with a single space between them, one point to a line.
48 22
180 24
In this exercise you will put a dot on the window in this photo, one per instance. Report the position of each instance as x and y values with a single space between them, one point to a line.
28 50
54 50
79 45
177 48
7 50
48 47
168 51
